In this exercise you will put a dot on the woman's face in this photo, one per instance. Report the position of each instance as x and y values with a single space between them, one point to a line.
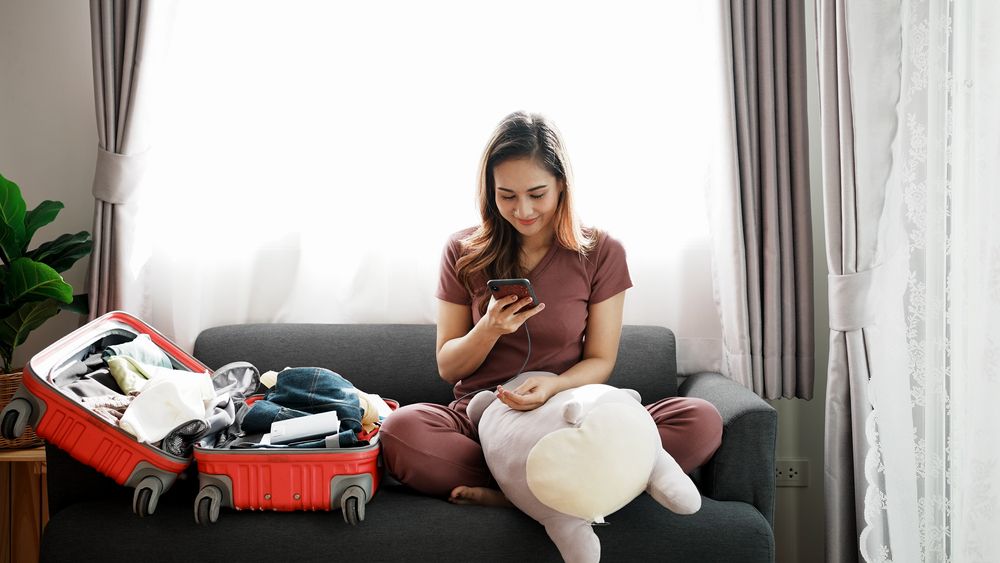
527 196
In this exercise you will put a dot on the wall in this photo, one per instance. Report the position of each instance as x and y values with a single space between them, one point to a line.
799 514
48 139
48 128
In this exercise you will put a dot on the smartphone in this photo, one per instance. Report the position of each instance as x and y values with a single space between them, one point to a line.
520 287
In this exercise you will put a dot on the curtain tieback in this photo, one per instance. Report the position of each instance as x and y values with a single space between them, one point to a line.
852 305
117 176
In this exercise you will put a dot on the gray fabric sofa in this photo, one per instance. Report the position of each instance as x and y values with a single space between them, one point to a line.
92 520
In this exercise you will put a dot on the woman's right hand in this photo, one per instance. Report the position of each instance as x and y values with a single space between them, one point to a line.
460 350
507 314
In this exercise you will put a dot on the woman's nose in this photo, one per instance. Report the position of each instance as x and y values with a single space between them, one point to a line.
524 208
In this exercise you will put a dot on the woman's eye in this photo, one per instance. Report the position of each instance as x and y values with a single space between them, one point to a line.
512 197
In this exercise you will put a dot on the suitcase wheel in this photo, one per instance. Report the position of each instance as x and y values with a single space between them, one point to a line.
352 504
207 504
15 418
147 493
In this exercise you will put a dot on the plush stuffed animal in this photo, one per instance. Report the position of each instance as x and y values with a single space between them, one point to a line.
582 455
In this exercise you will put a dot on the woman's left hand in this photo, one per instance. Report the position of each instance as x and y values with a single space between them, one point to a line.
530 394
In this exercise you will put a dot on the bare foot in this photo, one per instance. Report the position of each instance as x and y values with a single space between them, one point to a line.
478 495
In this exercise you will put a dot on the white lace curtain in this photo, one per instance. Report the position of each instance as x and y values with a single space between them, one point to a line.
932 469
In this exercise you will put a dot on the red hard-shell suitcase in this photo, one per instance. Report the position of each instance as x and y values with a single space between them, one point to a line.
90 439
288 479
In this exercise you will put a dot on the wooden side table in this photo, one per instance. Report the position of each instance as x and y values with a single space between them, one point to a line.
24 504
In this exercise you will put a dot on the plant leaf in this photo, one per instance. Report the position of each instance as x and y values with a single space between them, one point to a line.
64 251
38 217
28 280
80 304
14 328
12 210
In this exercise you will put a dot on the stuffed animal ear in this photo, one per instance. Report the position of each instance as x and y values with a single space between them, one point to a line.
573 412
635 395
478 405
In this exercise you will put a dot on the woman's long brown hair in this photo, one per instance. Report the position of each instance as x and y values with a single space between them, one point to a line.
492 250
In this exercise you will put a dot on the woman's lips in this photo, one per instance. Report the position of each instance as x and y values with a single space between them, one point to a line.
526 223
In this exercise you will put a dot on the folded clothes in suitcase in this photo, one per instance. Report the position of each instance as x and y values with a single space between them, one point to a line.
113 394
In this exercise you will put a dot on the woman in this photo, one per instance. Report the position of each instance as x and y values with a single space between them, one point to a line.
528 230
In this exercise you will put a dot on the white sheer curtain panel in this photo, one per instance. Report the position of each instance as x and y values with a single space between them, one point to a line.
312 157
933 469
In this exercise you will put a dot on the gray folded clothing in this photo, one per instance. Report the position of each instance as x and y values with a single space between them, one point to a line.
97 383
73 371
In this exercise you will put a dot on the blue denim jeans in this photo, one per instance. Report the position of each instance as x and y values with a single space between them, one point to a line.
304 391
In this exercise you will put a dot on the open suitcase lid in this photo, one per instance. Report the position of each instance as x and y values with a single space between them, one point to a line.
115 322
85 435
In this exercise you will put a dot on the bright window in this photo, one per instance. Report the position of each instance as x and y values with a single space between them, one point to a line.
311 157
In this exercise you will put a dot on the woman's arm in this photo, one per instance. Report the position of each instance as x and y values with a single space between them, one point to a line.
600 350
462 346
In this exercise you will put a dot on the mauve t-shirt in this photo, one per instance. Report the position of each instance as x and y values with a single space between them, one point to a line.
566 283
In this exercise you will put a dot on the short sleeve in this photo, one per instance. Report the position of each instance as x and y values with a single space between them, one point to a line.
450 289
610 275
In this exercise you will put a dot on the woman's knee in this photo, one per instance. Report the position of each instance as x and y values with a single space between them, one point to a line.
690 429
401 436
705 430
707 422
406 428
405 419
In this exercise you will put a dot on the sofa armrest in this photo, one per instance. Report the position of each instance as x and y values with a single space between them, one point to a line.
742 469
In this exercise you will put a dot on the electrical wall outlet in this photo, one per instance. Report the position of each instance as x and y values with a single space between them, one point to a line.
791 473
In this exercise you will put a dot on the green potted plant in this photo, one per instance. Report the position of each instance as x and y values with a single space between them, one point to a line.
32 289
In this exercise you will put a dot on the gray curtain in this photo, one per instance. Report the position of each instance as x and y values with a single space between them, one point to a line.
858 97
123 41
762 230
